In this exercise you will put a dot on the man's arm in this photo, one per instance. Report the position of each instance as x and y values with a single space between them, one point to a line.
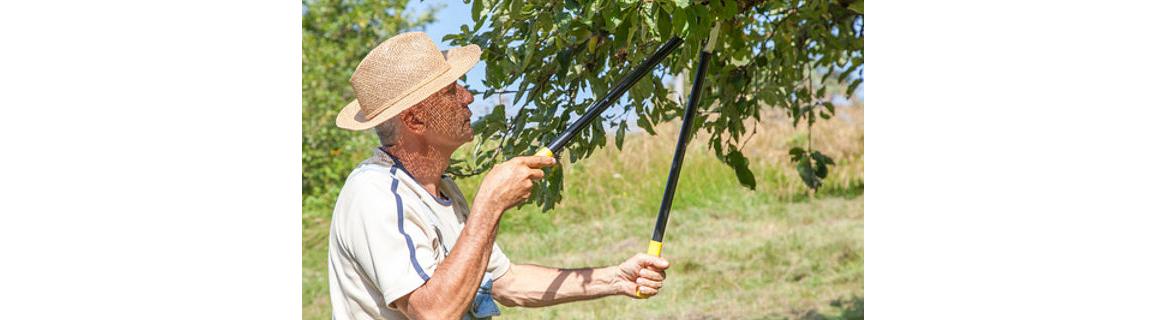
529 285
450 291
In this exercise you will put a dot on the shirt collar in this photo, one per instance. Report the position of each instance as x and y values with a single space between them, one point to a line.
382 157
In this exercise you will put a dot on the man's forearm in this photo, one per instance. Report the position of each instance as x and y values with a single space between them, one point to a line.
528 285
450 290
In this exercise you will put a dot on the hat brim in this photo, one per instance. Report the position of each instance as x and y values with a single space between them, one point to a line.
460 60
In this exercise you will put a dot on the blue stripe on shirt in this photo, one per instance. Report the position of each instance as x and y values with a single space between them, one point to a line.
400 224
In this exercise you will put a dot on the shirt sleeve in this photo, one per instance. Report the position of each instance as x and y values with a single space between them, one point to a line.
499 263
390 249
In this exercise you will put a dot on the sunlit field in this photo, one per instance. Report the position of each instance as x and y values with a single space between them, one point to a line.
774 252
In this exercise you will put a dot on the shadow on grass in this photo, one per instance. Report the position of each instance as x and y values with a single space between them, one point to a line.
848 191
851 308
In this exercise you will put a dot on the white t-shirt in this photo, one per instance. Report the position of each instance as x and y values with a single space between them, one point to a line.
388 235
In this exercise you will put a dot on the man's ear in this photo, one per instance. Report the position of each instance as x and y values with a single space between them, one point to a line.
412 121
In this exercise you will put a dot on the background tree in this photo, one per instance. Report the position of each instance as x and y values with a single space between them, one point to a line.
792 55
336 36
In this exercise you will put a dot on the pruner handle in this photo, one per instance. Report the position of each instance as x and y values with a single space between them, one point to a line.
654 248
545 152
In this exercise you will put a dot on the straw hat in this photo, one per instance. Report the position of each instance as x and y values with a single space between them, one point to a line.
399 73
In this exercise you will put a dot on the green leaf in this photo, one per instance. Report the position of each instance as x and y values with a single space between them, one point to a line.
739 164
682 4
857 7
632 28
852 86
821 163
645 124
808 176
516 8
730 9
821 170
552 190
663 24
619 134
820 157
679 22
476 11
530 41
797 153
621 32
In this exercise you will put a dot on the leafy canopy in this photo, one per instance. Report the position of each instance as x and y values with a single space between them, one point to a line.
792 55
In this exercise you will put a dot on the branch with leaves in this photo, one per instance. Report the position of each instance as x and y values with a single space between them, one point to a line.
552 52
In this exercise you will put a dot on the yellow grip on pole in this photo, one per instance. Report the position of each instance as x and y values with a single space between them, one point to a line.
545 152
654 248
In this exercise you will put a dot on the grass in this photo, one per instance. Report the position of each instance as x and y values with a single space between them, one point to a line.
774 252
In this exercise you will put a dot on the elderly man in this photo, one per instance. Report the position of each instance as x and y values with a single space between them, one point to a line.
404 242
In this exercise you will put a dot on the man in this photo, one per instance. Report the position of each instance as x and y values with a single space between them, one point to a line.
404 242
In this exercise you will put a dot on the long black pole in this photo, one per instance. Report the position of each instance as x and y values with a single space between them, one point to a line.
677 161
673 176
655 247
611 97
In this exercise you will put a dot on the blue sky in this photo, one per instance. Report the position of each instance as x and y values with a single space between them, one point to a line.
450 17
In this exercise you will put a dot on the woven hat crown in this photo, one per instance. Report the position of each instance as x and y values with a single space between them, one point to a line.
394 69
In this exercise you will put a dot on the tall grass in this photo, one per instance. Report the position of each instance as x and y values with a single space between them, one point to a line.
776 251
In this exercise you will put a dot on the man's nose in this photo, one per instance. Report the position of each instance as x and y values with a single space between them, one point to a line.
466 97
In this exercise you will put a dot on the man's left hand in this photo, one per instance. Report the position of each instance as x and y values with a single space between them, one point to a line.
641 272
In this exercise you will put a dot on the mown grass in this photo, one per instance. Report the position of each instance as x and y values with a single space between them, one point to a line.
773 252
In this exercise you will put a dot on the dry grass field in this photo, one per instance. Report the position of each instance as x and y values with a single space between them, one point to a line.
774 252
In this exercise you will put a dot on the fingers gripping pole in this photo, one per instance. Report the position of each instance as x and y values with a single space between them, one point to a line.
655 247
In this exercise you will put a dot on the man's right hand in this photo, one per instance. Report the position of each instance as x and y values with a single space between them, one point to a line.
509 183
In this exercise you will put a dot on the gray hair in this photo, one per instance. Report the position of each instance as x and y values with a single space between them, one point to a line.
387 131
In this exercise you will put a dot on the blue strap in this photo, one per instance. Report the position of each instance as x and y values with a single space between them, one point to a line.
483 303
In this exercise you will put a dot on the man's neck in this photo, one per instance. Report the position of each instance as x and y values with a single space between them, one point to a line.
424 162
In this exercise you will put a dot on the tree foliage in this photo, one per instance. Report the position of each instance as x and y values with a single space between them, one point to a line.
336 36
792 54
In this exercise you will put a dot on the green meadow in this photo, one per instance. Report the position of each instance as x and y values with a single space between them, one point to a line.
777 252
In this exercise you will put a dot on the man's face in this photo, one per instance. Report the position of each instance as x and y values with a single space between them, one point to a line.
446 115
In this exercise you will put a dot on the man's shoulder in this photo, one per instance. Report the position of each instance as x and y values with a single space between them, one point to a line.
373 172
367 187
367 172
377 184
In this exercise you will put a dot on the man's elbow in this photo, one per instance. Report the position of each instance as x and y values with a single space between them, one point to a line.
421 308
507 301
511 298
433 313
503 295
